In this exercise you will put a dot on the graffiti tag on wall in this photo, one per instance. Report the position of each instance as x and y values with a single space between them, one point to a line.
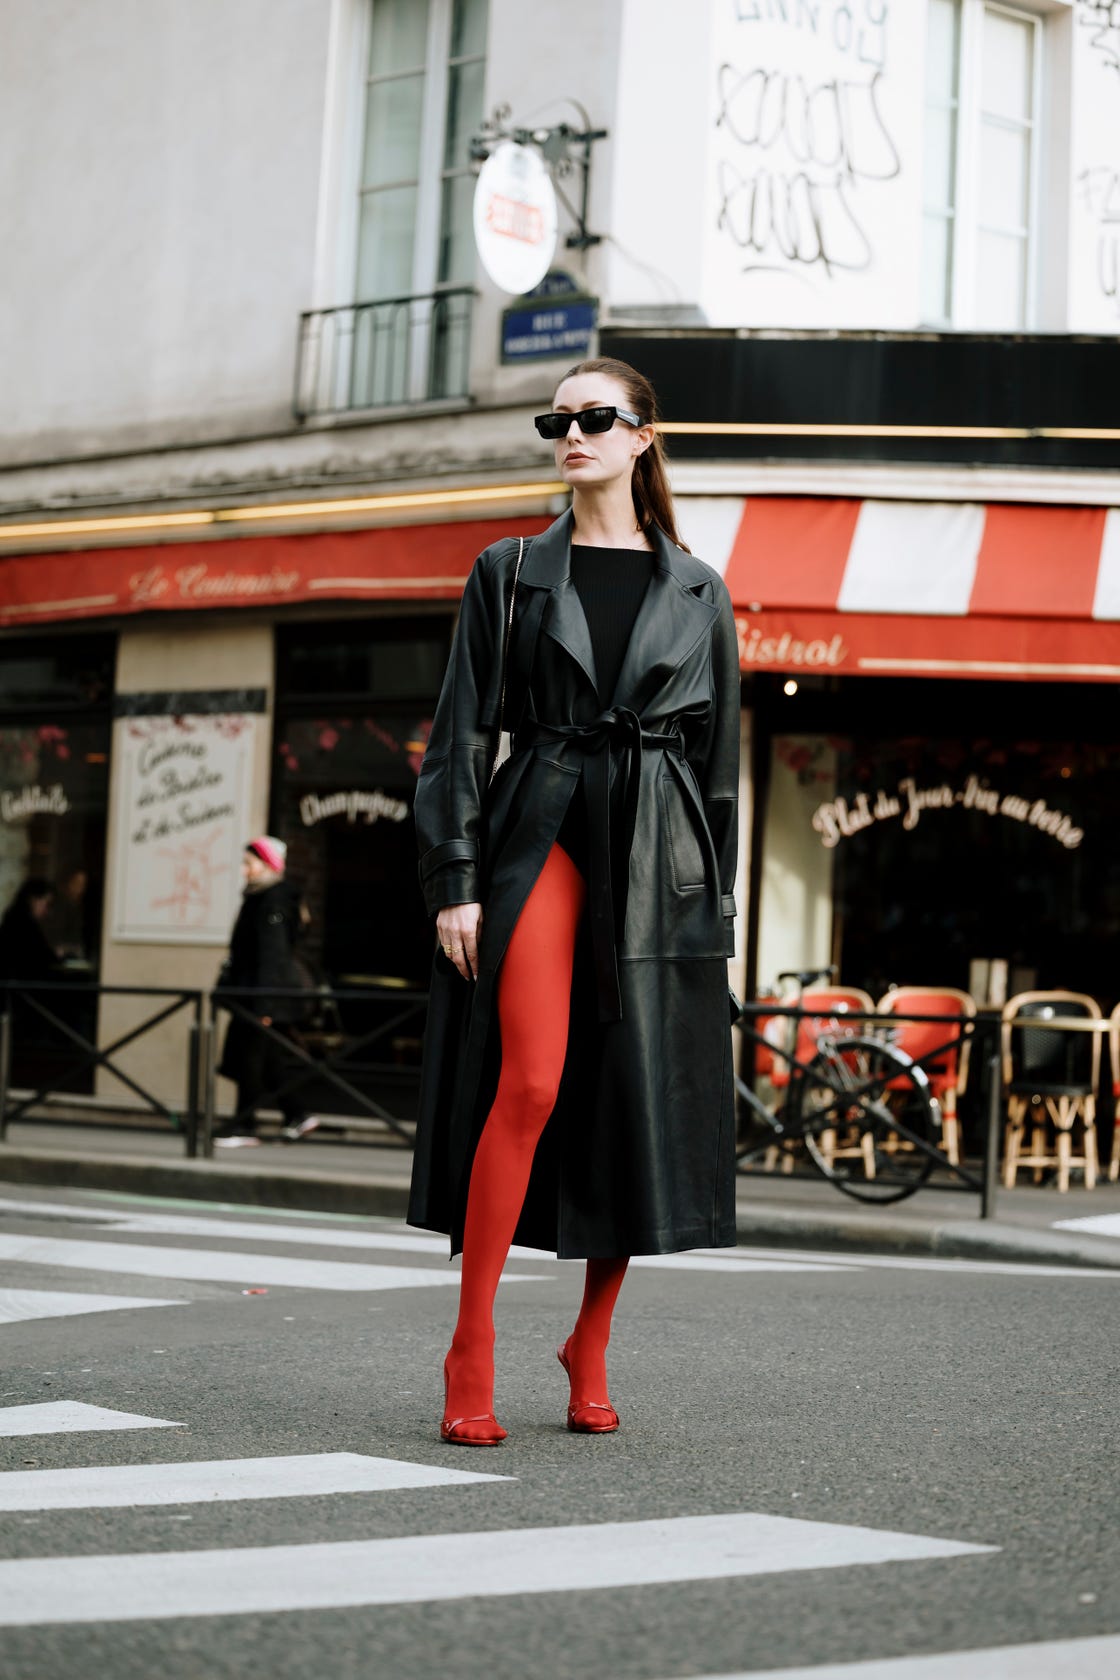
1100 193
804 147
1099 184
1102 17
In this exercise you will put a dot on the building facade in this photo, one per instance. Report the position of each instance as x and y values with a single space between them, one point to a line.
262 406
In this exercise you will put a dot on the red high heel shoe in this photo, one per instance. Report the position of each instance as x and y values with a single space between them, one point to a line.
587 1417
492 1437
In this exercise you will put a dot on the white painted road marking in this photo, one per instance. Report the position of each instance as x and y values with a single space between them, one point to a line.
730 1261
912 1263
16 1305
231 1478
219 1266
1060 1659
1098 1224
416 1569
243 1230
751 1259
68 1417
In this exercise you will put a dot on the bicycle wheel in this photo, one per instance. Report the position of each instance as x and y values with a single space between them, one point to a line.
867 1117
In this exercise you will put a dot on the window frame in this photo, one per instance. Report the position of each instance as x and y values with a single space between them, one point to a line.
964 217
431 169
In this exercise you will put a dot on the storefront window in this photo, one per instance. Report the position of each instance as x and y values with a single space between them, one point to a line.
343 791
353 715
54 780
919 860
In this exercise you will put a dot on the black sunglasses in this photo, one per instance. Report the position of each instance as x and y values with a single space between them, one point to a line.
589 420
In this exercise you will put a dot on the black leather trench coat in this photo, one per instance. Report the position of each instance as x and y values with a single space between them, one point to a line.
638 1156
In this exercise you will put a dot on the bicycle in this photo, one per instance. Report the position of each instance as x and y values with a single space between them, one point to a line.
862 1108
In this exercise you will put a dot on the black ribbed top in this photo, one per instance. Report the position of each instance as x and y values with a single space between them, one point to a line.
610 583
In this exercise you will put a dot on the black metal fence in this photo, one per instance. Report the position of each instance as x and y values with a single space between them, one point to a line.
49 1046
384 353
974 1038
353 1053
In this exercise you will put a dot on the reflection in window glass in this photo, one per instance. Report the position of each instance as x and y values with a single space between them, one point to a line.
398 38
392 140
905 861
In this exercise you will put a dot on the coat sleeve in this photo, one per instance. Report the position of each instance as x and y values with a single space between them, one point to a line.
714 757
456 768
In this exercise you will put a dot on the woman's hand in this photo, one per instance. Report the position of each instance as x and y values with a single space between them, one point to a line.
457 928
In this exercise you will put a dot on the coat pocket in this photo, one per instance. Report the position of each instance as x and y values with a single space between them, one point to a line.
685 851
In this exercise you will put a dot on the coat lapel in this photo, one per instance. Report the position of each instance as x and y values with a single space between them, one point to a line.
670 621
548 565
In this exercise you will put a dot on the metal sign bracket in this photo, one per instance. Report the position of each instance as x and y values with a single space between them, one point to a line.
564 149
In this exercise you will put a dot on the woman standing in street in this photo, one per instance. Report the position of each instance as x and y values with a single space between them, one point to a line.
262 953
577 1092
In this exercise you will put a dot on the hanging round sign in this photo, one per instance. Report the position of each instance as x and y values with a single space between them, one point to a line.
515 217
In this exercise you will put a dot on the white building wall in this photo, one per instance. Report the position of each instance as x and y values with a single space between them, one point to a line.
813 176
158 213
560 67
1094 247
177 178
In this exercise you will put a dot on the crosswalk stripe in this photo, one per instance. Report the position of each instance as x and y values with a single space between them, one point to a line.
922 1263
18 1305
67 1417
238 1230
416 1569
755 1259
1058 1659
1099 1224
691 1262
219 1266
110 1485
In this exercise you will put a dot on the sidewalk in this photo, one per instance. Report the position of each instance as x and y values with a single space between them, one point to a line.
322 1175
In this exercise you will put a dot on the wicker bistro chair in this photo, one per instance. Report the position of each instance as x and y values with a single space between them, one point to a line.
1114 1052
1050 1080
829 1006
947 1071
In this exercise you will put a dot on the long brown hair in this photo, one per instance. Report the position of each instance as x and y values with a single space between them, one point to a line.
653 500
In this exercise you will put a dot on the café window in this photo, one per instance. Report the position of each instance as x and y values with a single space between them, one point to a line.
354 709
55 733
919 860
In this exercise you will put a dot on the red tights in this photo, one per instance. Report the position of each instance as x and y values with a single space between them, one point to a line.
534 990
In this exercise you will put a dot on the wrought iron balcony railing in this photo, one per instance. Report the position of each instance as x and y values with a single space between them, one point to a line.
385 353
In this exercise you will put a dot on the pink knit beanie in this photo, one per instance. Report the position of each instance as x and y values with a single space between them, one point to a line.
272 852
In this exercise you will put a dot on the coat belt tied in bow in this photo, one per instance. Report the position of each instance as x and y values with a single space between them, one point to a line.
615 736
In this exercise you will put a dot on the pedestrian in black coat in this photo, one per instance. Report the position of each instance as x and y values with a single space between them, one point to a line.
25 951
262 954
577 1090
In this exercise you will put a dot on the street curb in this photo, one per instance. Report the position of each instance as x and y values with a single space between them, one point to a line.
259 1185
962 1239
314 1191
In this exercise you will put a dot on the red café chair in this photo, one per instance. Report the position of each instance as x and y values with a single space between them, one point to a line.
832 1003
947 1071
829 1005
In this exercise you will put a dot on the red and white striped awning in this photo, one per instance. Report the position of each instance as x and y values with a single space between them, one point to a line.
930 589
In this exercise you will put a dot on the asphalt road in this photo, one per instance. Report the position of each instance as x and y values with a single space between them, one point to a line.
823 1461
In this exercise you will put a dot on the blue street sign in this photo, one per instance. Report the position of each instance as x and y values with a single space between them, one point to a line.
549 326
